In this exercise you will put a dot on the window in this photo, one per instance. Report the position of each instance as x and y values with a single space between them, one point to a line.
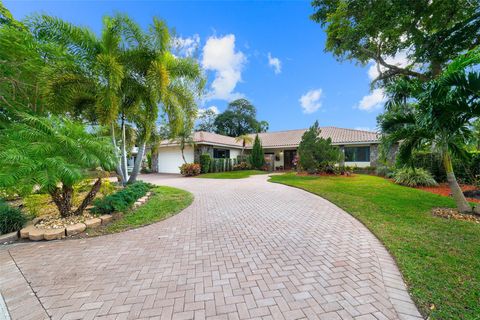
221 153
357 154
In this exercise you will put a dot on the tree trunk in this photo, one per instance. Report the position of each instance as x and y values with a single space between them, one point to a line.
183 156
138 163
154 167
62 197
118 167
89 197
124 153
458 196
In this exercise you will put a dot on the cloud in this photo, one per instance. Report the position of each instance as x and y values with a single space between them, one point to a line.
310 101
186 47
212 108
373 101
364 129
275 63
219 55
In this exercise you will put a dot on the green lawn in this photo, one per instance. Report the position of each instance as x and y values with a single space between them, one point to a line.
439 258
231 174
165 202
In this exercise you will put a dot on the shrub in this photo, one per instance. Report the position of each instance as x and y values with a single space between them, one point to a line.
241 166
39 204
205 160
121 200
385 171
317 154
413 177
190 169
257 158
11 219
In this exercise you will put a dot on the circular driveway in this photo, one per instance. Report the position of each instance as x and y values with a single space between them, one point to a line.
245 249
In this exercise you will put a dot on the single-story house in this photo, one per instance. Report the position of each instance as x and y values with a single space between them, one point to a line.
360 148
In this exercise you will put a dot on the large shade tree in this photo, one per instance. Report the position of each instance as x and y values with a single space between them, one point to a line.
436 114
240 118
428 33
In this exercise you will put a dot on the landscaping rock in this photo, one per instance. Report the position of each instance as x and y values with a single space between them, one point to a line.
36 234
93 223
53 234
24 233
76 229
137 203
106 218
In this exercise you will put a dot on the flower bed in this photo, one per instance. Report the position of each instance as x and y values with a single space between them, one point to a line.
444 190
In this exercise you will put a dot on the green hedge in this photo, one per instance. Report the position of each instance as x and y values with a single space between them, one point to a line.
11 219
122 199
205 161
466 170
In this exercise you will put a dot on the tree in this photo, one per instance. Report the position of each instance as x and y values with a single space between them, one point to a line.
257 158
245 139
185 138
428 33
316 153
52 154
436 114
206 121
239 119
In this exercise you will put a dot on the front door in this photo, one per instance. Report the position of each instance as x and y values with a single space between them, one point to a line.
288 156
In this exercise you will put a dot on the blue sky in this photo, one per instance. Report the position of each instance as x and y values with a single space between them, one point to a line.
268 52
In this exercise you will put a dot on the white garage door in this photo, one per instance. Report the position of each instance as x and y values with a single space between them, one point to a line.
170 158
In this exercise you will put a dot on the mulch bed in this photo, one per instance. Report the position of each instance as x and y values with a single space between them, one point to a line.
450 213
444 190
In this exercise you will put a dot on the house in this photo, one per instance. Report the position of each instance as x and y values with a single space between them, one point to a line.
360 148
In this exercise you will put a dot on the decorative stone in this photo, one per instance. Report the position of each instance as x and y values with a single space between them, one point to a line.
53 234
24 233
106 218
149 193
76 229
93 223
137 203
36 234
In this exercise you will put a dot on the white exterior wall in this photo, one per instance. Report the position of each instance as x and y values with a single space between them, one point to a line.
170 158
234 153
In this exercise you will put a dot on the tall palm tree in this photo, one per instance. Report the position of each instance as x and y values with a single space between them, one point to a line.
245 139
436 114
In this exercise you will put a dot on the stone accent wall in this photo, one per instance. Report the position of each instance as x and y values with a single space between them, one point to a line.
373 155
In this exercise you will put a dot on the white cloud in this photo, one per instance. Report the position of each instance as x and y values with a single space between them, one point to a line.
374 100
310 101
364 129
275 63
219 55
186 46
212 108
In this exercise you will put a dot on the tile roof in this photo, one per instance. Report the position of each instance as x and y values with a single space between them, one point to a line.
285 138
203 137
338 136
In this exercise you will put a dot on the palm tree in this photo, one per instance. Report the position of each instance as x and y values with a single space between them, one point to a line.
52 154
436 114
91 83
245 139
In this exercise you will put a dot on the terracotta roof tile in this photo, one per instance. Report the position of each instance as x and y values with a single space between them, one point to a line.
285 138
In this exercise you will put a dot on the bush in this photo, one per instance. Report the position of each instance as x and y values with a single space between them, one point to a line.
121 200
241 166
11 219
385 171
257 158
317 154
413 177
205 160
190 169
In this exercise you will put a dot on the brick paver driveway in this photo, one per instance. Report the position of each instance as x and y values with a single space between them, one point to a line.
244 249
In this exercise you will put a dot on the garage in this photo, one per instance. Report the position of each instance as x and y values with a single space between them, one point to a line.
170 158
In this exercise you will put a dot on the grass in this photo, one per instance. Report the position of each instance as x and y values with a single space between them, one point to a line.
439 258
165 202
240 174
